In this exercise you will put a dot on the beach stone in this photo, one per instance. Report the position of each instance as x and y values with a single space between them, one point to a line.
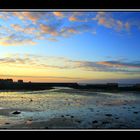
105 122
79 121
95 121
16 112
109 115
7 123
135 112
72 116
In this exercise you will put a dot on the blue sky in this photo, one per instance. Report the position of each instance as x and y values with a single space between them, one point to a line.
95 45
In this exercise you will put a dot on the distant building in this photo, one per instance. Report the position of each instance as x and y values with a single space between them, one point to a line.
10 80
137 85
20 81
6 80
112 84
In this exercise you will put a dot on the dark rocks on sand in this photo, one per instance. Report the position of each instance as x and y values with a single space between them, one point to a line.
16 112
7 123
105 122
109 115
135 112
117 118
72 116
79 121
95 121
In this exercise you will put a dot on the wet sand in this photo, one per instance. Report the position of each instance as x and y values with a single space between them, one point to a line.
66 108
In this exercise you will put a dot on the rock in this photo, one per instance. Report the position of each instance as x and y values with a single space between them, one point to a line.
62 116
7 123
105 122
31 100
117 118
95 121
72 116
16 112
79 121
109 115
135 112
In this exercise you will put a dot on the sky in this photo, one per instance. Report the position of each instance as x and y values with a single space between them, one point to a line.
84 47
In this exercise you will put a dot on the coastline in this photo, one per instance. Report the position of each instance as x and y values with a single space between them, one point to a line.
69 109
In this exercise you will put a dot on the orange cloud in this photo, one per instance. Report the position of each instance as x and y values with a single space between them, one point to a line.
48 30
72 18
105 63
127 26
33 16
118 64
108 21
58 14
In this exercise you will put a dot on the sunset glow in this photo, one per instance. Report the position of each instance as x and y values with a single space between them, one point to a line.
70 46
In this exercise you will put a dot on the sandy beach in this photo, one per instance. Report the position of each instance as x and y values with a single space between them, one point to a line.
67 108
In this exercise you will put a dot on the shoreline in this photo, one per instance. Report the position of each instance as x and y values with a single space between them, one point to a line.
65 108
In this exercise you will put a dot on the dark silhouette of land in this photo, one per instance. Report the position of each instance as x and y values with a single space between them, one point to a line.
9 84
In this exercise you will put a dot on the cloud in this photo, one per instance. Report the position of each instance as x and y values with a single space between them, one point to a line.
15 40
52 39
45 29
120 64
32 16
127 25
71 30
107 20
58 14
30 27
66 31
72 18
44 62
26 30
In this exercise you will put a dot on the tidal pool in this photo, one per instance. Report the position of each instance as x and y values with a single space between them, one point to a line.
67 108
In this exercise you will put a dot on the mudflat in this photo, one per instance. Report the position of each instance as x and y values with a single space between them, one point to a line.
67 108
